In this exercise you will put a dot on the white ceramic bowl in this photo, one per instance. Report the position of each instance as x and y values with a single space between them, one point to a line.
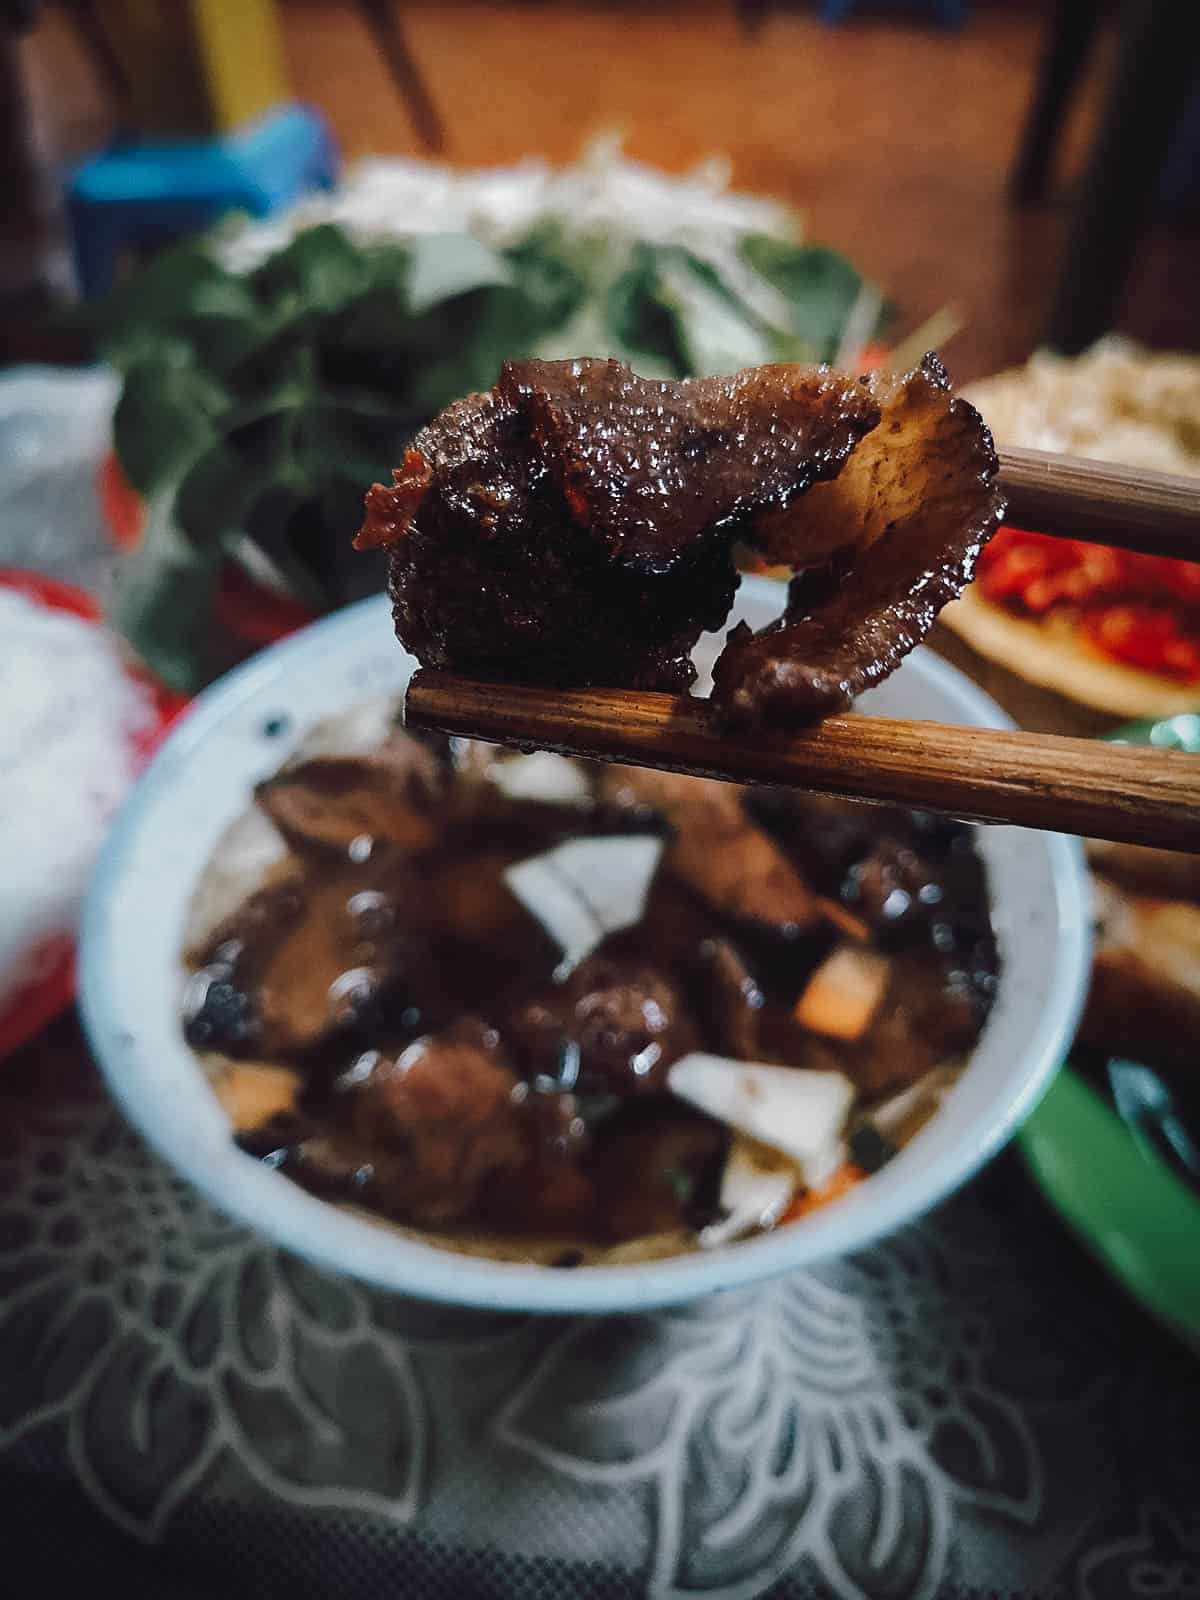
131 982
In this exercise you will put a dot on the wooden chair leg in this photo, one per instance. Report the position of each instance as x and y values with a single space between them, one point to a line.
1070 35
1156 71
385 26
751 14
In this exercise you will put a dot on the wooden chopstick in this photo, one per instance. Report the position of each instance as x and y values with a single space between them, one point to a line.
1126 794
1154 513
1129 794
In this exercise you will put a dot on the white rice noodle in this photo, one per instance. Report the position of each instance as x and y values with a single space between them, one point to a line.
384 199
70 715
1115 402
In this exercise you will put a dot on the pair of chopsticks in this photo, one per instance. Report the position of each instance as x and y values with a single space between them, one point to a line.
1127 794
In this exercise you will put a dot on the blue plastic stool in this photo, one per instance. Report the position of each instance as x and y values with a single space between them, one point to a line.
137 195
951 13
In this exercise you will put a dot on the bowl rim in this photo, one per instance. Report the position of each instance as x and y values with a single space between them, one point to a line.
349 1243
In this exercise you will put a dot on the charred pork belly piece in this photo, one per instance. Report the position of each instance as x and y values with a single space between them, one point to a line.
928 1015
657 1167
877 554
446 1109
391 796
614 1026
309 958
576 525
717 851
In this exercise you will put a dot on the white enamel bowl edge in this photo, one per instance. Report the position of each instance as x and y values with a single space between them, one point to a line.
131 978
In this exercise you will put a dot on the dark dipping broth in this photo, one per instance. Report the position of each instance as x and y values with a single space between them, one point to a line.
390 1026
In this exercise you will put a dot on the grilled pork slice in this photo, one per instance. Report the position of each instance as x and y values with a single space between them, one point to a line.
577 526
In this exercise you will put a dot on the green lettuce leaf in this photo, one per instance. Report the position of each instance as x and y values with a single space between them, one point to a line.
318 273
442 266
715 333
166 416
163 599
820 288
257 408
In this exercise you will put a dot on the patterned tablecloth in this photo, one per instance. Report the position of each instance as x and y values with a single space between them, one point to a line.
967 1409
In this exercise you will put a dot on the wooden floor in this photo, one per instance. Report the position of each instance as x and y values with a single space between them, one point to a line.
892 137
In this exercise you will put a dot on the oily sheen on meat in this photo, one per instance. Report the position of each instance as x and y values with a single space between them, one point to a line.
577 526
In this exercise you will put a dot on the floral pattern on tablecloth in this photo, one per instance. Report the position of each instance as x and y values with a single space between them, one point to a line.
944 1408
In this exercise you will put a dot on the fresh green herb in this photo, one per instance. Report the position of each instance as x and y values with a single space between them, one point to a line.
258 407
818 287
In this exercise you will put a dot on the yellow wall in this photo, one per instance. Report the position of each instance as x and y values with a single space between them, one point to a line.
198 66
